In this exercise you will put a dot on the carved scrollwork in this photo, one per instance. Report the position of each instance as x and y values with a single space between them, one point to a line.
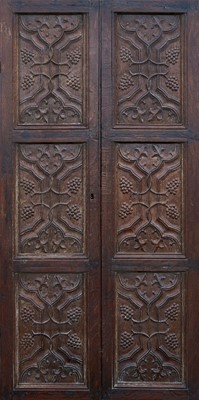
149 181
149 70
51 199
149 328
51 346
51 65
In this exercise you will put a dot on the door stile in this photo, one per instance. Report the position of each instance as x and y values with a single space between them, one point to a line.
6 213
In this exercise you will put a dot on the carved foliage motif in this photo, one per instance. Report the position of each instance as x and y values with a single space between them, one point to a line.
51 329
149 328
149 198
149 70
51 213
51 65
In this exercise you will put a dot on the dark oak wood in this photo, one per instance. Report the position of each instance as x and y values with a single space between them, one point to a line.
50 192
99 155
142 56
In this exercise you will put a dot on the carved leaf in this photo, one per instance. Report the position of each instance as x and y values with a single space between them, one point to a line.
51 345
148 64
149 339
149 198
51 199
51 69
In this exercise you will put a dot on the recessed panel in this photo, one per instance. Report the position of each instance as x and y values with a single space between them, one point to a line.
149 200
51 205
51 69
148 70
51 321
149 338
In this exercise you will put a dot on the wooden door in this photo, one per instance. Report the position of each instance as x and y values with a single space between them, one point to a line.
50 269
150 199
99 106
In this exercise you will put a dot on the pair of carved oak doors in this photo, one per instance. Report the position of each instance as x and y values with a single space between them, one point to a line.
99 107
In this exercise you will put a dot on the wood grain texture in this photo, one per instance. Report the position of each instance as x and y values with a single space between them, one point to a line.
51 69
117 80
149 173
51 199
149 198
149 344
51 320
149 65
49 163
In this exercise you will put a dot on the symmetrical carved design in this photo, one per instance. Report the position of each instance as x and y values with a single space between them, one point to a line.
149 70
149 198
51 201
149 328
51 329
51 69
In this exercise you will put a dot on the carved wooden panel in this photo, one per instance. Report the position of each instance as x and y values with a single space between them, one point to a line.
149 60
51 69
149 215
51 201
149 346
51 324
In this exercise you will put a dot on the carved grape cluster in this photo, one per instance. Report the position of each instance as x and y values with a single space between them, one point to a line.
74 341
125 210
74 212
126 312
27 341
172 312
172 55
173 185
27 186
172 211
27 212
125 54
27 82
172 83
172 341
74 185
74 82
26 56
126 81
27 314
126 340
74 314
125 185
74 56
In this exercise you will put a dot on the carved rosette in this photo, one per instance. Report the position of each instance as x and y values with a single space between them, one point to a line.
51 200
50 68
149 215
51 347
149 67
149 341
